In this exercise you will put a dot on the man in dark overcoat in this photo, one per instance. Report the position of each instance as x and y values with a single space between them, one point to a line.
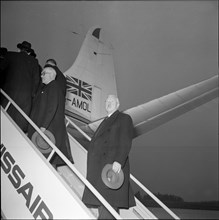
60 77
110 144
3 65
48 113
21 82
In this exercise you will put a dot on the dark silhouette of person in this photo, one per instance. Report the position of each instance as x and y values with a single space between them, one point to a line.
110 144
33 54
21 82
48 113
3 65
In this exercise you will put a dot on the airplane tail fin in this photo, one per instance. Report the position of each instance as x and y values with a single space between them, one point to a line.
91 78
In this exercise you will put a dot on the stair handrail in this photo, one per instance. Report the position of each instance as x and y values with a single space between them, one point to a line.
63 157
154 197
81 131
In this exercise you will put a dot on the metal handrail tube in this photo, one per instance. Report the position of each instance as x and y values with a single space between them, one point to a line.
67 124
154 197
82 132
7 106
50 155
79 175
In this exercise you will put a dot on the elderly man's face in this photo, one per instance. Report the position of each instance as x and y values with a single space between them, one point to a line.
47 75
111 104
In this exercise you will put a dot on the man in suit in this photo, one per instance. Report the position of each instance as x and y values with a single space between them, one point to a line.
59 75
48 113
21 81
110 144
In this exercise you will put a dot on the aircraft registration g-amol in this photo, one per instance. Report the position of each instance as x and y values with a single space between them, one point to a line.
30 186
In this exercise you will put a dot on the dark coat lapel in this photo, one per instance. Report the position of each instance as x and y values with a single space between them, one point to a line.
106 124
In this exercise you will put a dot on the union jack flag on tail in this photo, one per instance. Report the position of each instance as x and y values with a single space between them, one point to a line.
79 88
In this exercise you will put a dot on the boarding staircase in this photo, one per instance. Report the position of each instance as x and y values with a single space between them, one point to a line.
31 188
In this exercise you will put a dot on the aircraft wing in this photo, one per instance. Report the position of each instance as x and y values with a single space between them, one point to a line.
154 113
159 111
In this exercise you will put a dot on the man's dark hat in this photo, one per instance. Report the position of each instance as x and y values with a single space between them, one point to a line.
110 178
41 144
51 61
25 45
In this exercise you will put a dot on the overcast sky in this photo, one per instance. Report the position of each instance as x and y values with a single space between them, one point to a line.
159 47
